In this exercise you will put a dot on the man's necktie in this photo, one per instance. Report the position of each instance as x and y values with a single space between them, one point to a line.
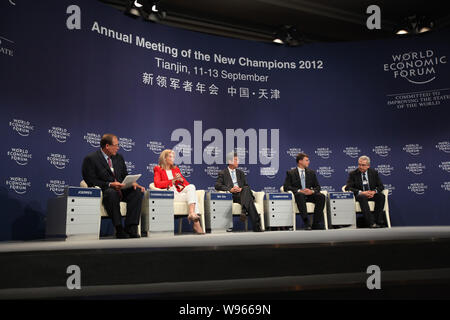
302 178
112 170
110 165
233 176
365 182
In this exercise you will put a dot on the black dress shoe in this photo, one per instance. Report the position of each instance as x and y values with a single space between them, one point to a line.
132 231
373 226
257 227
134 235
308 228
121 234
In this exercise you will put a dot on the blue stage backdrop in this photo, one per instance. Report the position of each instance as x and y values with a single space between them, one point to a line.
73 70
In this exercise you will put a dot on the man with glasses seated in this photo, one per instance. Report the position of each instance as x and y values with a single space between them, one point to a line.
106 169
233 180
366 185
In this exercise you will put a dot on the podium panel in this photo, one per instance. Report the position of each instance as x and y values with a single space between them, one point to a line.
342 208
278 210
219 211
157 212
75 215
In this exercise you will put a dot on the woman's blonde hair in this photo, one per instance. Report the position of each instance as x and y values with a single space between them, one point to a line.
162 159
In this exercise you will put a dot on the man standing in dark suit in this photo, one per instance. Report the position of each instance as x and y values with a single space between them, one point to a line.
106 169
366 185
233 180
304 185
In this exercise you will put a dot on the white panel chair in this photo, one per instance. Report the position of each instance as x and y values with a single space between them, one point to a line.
372 205
103 213
259 204
309 208
181 208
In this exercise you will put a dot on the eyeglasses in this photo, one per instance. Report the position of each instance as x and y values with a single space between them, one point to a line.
362 165
114 145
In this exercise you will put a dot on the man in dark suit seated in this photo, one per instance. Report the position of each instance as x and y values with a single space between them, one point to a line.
233 180
106 169
305 186
366 185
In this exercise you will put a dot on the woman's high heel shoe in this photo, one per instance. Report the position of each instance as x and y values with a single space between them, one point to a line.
198 232
195 218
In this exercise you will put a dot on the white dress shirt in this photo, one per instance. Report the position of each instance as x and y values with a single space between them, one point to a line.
169 174
235 183
368 183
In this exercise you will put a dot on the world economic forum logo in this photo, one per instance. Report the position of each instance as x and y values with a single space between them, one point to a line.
59 161
182 149
18 184
212 171
443 146
416 168
246 170
324 153
446 186
241 152
328 188
93 139
150 167
352 152
60 134
126 144
325 171
130 166
294 151
351 168
57 186
271 190
390 188
418 188
212 151
186 170
418 67
268 153
20 156
413 149
22 127
445 165
382 151
155 146
384 169
268 172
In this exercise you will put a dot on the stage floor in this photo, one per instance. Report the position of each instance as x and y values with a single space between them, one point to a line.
329 264
299 237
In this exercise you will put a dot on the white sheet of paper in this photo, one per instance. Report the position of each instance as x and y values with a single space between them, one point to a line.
130 179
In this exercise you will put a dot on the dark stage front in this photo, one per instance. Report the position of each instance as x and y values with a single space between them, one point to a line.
413 263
